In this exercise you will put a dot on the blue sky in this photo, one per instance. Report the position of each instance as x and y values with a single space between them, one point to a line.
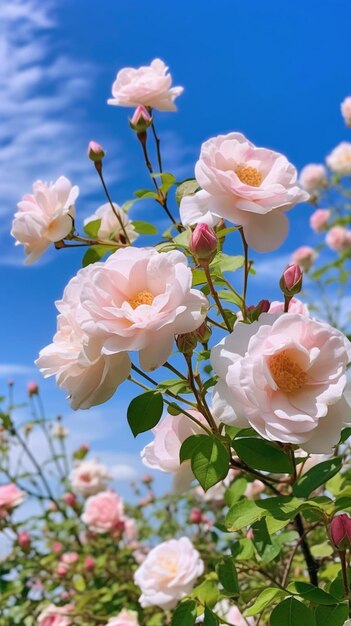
275 71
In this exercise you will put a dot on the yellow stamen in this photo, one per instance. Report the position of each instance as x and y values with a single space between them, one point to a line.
249 175
287 374
143 297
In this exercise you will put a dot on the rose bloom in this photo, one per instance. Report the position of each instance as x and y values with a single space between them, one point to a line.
339 160
249 186
110 227
149 86
125 618
313 177
339 239
163 452
89 477
55 616
346 110
285 376
10 497
104 512
319 220
304 257
168 573
75 359
295 306
231 614
45 216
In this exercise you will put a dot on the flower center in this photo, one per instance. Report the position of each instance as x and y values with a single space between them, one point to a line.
169 564
249 175
287 374
143 297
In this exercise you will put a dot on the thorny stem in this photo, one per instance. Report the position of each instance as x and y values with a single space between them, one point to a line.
246 269
158 150
200 404
98 168
214 295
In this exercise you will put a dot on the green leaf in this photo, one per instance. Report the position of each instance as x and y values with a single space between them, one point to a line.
210 619
185 614
145 411
189 446
316 476
331 615
144 228
227 263
246 512
291 612
235 491
265 599
95 253
227 575
168 181
210 461
92 228
312 594
175 385
186 188
262 455
145 193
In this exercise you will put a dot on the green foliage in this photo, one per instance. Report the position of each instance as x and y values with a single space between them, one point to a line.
144 412
262 455
291 612
209 459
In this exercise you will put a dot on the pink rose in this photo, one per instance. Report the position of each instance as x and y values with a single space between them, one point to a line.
104 513
44 217
319 220
10 497
163 452
339 160
234 616
346 110
149 86
125 618
339 239
304 257
295 306
89 477
168 573
110 227
55 616
249 186
254 489
70 557
285 376
313 177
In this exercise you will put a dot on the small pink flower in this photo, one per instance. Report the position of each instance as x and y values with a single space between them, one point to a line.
149 86
291 280
304 257
62 569
254 489
339 239
57 547
32 389
110 227
70 499
346 110
89 564
89 477
104 513
250 534
203 242
24 540
56 616
70 557
340 531
319 220
125 618
195 516
339 160
313 177
10 497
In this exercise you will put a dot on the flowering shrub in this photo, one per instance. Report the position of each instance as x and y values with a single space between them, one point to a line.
258 408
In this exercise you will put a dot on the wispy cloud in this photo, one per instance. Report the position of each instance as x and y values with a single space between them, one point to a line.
15 369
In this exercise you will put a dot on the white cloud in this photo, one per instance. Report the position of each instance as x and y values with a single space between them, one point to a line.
15 369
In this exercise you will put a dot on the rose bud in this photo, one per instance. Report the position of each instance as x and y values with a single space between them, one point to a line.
203 333
24 540
291 280
81 452
195 516
141 119
62 569
147 479
70 499
340 532
32 389
203 243
186 343
253 312
89 564
95 152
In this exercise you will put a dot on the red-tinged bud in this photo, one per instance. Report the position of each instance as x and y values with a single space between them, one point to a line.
291 280
147 479
141 119
62 569
24 540
203 333
250 534
186 343
89 564
95 152
57 547
32 389
203 243
340 532
81 452
195 516
70 499
254 312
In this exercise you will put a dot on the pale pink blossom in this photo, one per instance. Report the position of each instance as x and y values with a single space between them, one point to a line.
254 489
130 531
110 227
149 86
44 217
309 461
346 110
104 513
56 616
141 119
62 569
313 177
125 618
75 359
89 477
168 573
285 376
163 452
10 497
295 306
339 239
339 160
24 540
249 186
319 220
235 617
304 257
69 558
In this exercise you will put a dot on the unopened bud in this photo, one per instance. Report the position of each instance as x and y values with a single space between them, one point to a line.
186 343
89 564
203 333
340 532
70 499
195 516
95 152
147 479
253 312
81 452
291 280
24 540
141 119
203 243
32 389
